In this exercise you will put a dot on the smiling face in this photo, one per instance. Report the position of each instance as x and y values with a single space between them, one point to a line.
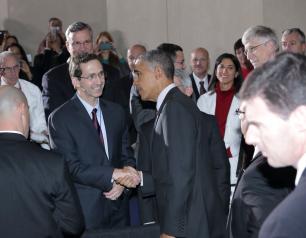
226 73
11 70
91 83
271 134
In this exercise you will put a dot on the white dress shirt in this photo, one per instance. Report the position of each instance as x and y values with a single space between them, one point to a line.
301 165
163 94
38 125
197 81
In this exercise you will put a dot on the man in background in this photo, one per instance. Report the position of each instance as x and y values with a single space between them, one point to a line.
293 40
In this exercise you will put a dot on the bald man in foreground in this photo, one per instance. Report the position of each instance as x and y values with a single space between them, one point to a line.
37 197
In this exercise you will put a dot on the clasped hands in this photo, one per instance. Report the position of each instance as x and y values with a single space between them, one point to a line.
127 177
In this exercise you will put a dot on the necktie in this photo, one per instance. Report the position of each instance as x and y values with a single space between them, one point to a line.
202 89
96 124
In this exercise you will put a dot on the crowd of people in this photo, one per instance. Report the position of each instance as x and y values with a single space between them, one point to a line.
91 140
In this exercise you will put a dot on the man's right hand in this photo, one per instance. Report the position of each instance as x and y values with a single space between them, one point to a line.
128 177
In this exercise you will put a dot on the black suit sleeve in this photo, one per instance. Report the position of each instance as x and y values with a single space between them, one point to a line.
67 206
220 162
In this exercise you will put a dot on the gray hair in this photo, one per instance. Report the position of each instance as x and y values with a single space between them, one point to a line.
4 55
295 30
78 26
159 58
184 77
261 32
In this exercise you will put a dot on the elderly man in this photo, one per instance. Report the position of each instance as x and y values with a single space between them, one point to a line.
182 168
293 40
38 127
260 43
199 62
92 134
274 109
38 198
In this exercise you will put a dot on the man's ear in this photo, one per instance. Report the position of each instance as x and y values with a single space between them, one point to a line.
75 82
158 72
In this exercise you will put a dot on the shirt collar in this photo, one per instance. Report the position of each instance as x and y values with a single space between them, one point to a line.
198 80
301 165
3 83
87 106
12 132
163 94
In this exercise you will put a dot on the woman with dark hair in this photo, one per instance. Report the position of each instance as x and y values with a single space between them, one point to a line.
245 64
108 53
25 69
222 101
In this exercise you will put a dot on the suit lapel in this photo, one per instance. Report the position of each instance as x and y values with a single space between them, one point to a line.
106 112
84 118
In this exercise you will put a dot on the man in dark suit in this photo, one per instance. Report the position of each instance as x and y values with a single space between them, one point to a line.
186 191
56 83
38 198
273 106
92 135
259 190
199 62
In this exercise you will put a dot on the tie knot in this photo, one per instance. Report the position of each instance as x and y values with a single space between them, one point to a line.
94 111
202 83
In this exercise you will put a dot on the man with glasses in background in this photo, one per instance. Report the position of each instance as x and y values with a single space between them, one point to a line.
10 68
293 40
260 43
56 83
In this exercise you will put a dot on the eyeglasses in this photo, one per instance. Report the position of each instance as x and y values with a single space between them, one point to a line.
240 113
99 75
15 68
180 62
253 48
78 44
200 60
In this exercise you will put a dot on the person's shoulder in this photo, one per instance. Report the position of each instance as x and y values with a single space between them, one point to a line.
64 109
31 86
56 70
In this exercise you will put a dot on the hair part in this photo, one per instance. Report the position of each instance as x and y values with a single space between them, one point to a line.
78 26
295 30
261 32
237 80
75 63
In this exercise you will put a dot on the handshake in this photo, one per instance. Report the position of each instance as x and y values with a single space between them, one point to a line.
127 177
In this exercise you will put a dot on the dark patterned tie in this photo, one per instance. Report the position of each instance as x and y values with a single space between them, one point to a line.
96 124
202 89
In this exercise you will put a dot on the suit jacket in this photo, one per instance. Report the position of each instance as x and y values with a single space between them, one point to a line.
259 190
38 198
183 171
196 92
58 88
73 134
288 219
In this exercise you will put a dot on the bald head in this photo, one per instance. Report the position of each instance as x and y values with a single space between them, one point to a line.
133 53
199 62
14 114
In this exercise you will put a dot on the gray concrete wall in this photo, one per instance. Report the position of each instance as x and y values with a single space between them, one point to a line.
213 24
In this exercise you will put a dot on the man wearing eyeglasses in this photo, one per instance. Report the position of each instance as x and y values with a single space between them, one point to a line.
91 133
260 43
293 40
10 68
56 83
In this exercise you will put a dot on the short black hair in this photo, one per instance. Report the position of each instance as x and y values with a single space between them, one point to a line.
170 49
